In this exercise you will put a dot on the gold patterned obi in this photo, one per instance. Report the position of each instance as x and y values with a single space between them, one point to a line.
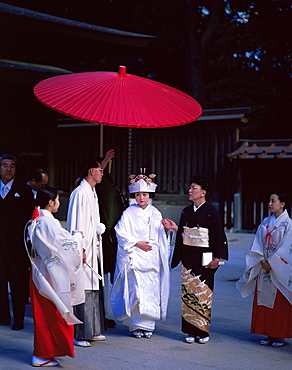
196 236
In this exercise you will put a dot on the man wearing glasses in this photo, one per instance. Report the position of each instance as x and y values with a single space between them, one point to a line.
83 215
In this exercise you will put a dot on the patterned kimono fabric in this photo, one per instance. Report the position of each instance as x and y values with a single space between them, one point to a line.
197 293
197 281
53 337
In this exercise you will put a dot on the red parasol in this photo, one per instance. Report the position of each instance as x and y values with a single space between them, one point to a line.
118 99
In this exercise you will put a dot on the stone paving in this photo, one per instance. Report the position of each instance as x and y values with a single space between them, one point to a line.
231 346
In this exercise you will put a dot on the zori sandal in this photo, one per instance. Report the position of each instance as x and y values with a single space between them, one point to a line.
44 362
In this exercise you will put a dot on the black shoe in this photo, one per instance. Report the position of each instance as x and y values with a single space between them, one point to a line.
17 326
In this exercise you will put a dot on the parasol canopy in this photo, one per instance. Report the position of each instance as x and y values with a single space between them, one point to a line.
118 99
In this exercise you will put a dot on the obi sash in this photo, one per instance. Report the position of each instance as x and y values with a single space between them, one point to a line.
196 236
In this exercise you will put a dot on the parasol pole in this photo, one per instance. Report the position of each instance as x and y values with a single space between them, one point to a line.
101 141
110 166
129 150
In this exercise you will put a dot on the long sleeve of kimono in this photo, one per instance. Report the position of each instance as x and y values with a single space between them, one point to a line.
79 218
126 236
176 258
274 245
218 240
56 264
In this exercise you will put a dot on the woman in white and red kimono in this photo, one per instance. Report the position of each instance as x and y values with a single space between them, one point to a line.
56 266
268 274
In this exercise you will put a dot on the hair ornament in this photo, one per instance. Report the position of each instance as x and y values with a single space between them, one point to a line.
142 182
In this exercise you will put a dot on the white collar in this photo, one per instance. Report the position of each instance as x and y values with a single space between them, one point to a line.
196 208
8 185
87 185
46 213
274 219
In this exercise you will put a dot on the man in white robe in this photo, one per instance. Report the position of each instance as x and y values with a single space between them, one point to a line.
83 215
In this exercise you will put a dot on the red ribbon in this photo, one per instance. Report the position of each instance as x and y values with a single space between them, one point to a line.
282 259
269 237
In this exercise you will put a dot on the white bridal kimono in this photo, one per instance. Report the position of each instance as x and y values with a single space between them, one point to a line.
142 279
273 242
56 266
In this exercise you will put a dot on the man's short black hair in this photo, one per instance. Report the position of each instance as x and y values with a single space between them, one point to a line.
8 156
89 162
37 174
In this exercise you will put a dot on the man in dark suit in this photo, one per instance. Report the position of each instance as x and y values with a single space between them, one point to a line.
16 207
38 179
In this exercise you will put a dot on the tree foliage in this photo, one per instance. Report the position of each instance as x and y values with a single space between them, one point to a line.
225 53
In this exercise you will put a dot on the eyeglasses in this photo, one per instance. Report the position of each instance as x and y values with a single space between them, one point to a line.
99 169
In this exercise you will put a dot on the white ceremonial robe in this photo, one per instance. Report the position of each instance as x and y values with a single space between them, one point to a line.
56 266
83 215
273 242
142 279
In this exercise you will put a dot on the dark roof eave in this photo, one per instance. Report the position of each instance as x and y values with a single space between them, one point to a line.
12 64
224 114
226 111
263 149
20 16
27 73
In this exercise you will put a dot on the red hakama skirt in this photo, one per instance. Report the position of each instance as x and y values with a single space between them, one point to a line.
53 337
273 322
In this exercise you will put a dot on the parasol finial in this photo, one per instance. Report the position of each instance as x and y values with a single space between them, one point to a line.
122 70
